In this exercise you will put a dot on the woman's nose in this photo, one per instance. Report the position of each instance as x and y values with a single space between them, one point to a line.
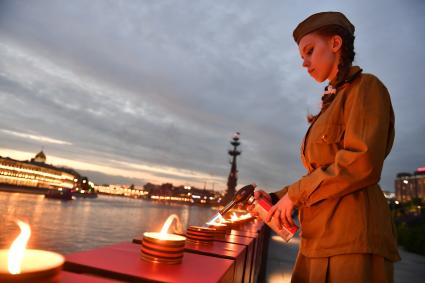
306 63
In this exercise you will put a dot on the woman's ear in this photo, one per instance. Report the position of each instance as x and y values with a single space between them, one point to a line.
336 43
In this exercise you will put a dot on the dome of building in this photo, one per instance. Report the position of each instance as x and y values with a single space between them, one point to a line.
40 157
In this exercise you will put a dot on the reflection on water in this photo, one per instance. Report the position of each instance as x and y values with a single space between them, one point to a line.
69 226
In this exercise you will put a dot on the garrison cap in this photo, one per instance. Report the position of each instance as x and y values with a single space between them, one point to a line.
319 20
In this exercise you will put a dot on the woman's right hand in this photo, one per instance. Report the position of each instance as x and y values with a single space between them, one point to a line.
258 195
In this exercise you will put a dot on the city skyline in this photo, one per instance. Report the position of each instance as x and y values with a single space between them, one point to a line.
153 91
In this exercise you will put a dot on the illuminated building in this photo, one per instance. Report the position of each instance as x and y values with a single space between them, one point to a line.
410 186
121 190
35 174
164 192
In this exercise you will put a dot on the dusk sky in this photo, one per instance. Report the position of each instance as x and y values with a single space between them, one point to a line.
153 91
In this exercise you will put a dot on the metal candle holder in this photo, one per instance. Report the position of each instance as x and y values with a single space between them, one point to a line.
38 267
221 230
168 250
201 235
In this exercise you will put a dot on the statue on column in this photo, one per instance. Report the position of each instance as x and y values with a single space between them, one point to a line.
232 180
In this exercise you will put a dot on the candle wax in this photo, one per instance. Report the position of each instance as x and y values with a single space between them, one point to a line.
168 237
34 261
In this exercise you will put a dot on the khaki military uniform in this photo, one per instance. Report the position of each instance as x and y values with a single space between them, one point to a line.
342 209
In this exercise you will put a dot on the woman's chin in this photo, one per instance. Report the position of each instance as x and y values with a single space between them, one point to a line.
318 79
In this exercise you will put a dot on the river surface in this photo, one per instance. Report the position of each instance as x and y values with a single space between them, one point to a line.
81 224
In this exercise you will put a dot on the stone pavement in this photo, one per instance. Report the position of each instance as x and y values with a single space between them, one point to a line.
281 258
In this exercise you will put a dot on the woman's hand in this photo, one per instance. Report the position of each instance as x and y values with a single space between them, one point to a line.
282 212
257 195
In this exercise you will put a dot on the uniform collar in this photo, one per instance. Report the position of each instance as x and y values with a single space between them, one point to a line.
352 74
331 90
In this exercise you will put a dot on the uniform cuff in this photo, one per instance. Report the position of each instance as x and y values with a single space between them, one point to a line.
294 193
274 198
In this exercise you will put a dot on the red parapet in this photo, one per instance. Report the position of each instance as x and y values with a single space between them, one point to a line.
69 277
249 244
123 262
255 230
241 233
252 226
257 227
223 250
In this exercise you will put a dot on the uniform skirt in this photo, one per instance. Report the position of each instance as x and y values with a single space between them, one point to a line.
347 268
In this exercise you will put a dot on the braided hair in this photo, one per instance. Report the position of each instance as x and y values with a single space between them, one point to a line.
345 62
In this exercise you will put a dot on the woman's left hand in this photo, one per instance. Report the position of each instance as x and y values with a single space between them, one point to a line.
282 212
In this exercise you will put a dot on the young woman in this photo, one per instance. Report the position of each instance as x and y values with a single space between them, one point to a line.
346 228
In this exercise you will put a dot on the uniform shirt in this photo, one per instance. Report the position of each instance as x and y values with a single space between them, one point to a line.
342 209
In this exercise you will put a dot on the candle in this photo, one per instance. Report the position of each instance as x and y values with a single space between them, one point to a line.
220 225
167 237
37 266
246 217
201 235
163 247
220 228
19 264
234 220
217 219
241 219
234 217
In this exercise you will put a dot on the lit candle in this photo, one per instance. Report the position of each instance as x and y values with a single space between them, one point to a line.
218 219
234 217
164 237
162 246
220 225
220 229
19 264
201 235
245 217
234 220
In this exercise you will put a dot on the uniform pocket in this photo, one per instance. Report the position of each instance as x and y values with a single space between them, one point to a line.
329 133
325 141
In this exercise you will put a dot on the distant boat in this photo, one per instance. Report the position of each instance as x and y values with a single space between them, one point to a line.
84 189
62 194
84 194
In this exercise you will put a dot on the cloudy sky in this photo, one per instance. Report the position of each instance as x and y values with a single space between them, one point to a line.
152 91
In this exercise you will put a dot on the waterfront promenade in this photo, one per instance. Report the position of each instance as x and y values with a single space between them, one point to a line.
281 257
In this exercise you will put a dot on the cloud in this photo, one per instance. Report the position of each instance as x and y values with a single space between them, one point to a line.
35 137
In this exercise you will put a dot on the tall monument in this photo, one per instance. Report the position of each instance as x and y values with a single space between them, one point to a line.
233 175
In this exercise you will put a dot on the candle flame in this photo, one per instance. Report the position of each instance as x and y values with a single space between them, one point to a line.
17 249
221 219
234 217
246 216
167 224
217 219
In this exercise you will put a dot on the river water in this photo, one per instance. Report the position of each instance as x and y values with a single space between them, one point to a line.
81 224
